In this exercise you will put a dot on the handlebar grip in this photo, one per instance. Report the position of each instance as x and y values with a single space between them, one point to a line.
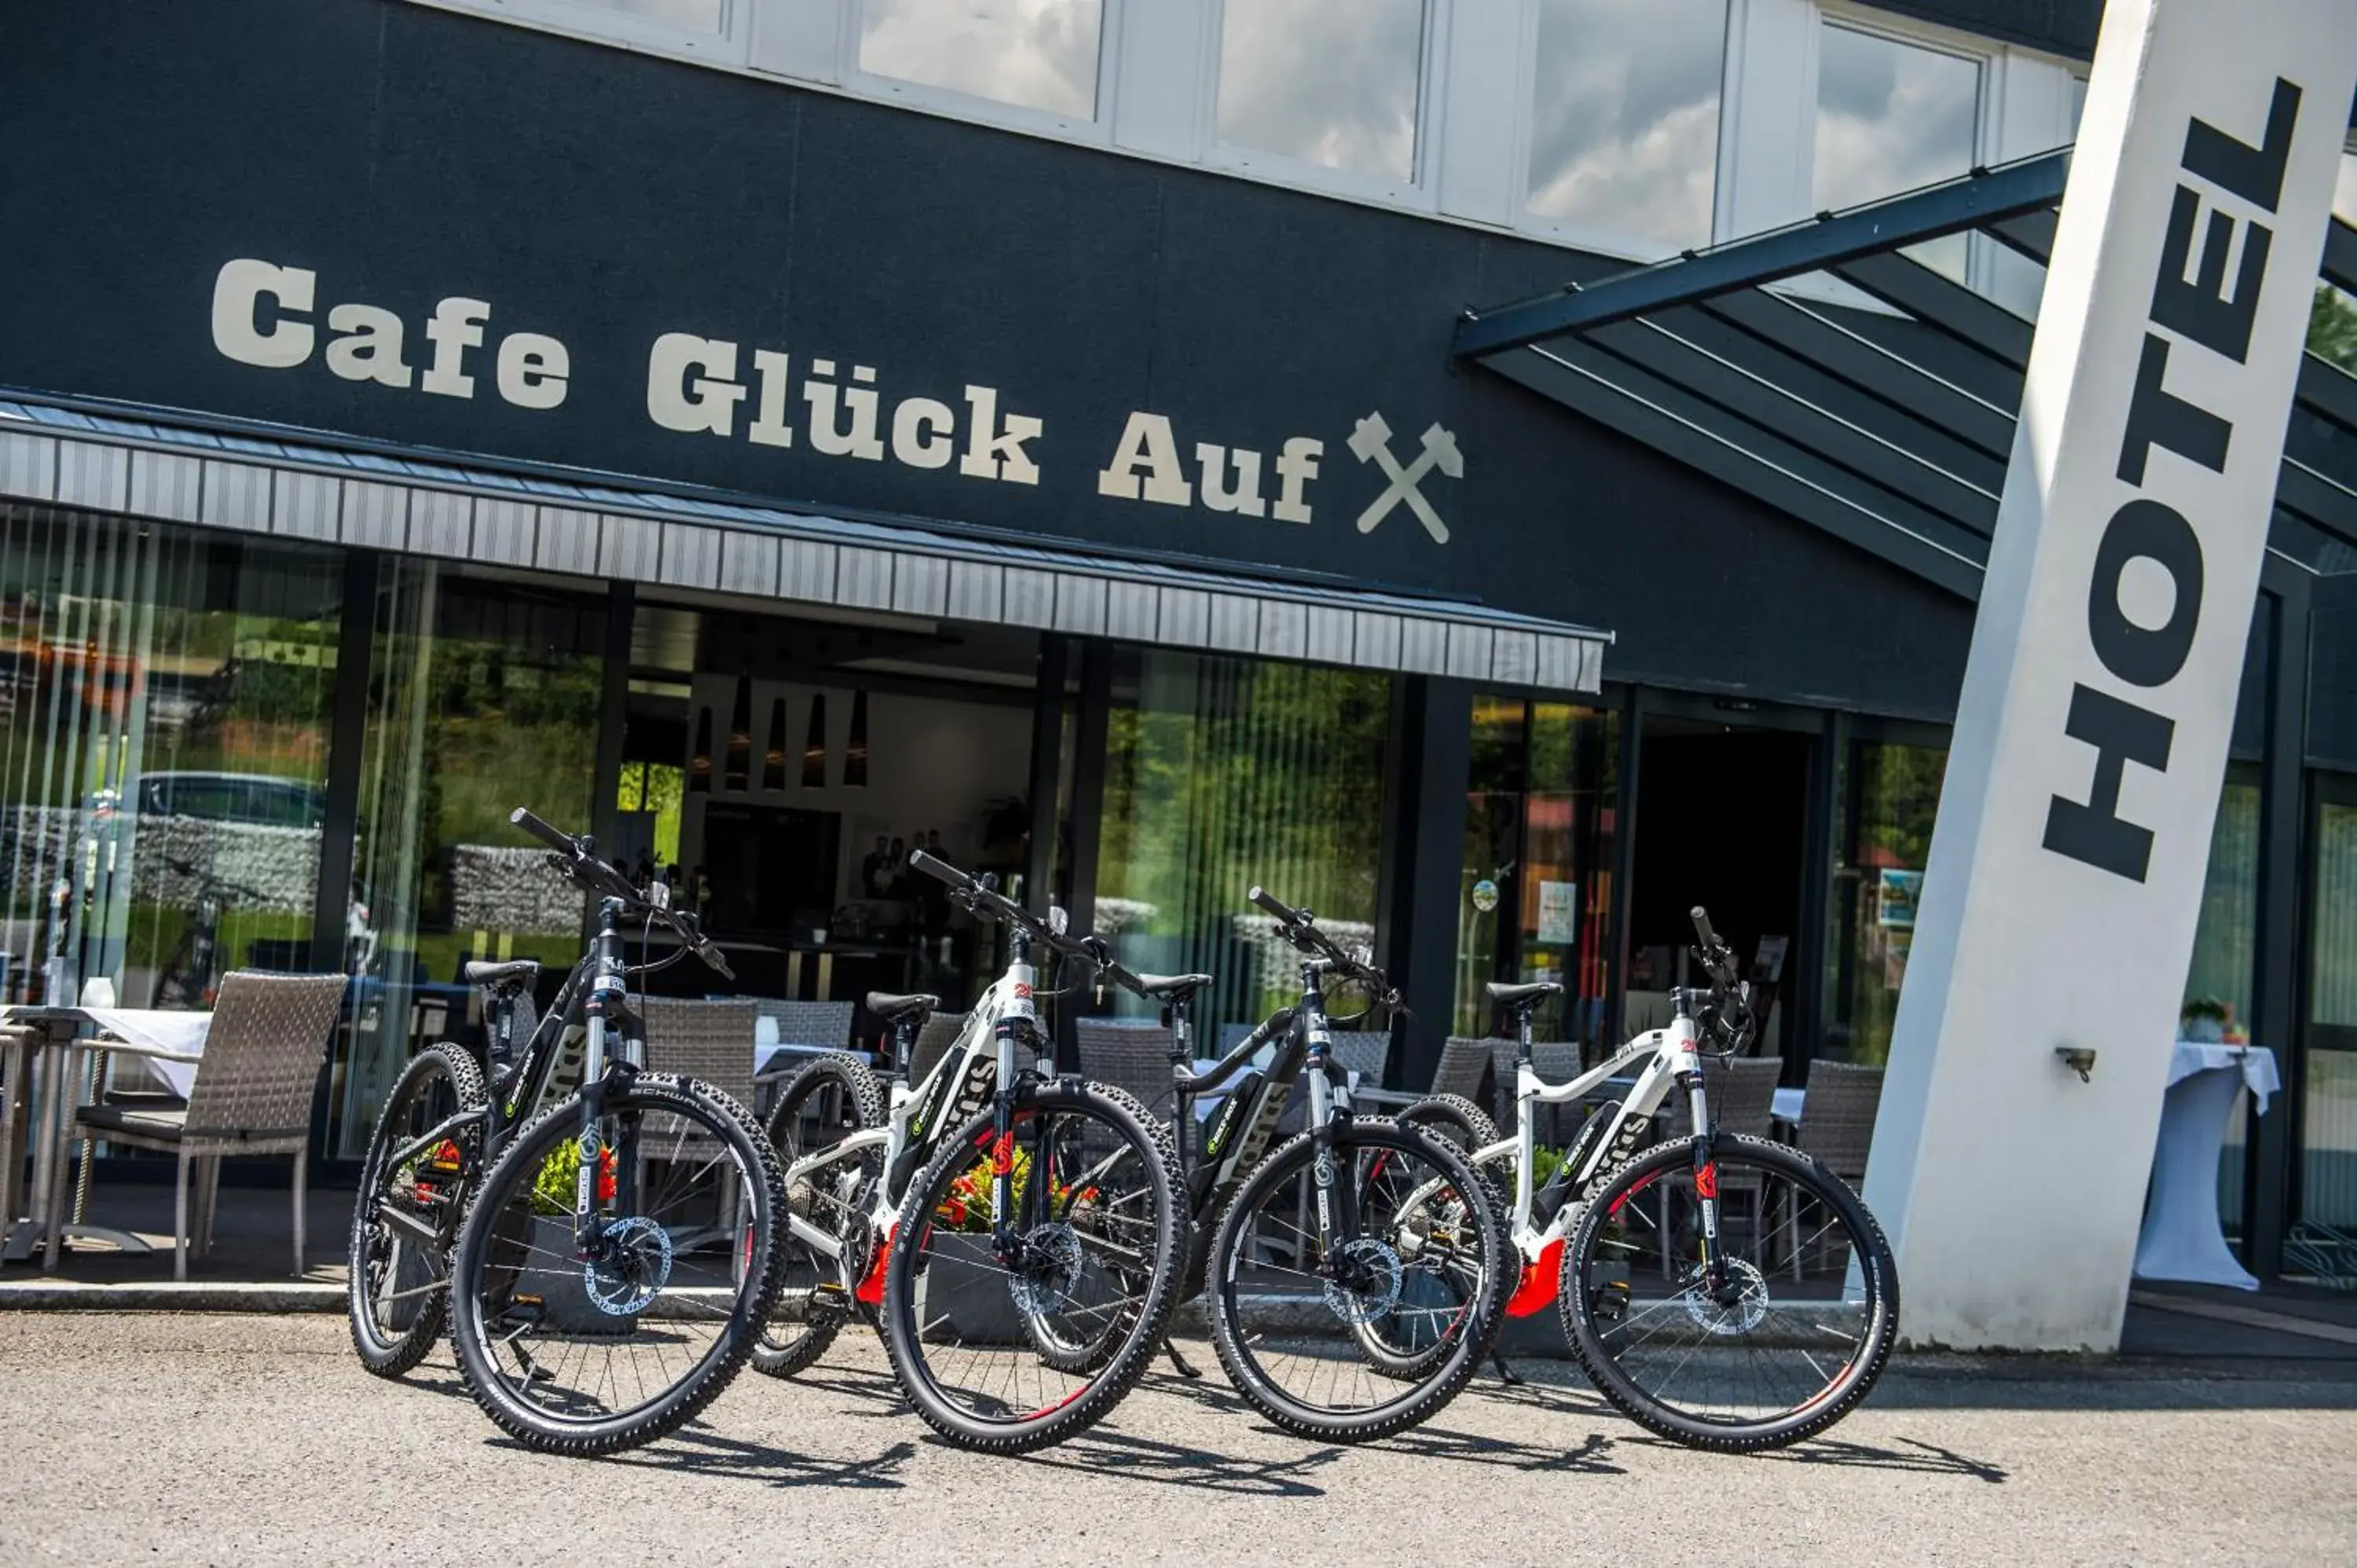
1262 896
552 837
940 870
1702 928
713 960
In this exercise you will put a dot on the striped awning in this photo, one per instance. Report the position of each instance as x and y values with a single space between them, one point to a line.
295 488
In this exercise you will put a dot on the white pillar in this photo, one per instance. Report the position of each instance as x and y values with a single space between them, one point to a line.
2067 867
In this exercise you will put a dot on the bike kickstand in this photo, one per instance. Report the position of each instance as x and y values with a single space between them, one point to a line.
1506 1374
1185 1369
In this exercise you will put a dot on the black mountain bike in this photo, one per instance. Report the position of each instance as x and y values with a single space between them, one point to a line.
1357 1269
1016 1235
608 1231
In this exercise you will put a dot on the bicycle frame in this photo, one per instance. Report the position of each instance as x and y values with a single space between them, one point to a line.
970 1073
1673 1061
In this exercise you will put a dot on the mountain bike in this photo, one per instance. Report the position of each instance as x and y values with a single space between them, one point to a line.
614 1254
1015 1235
1358 1269
1754 1334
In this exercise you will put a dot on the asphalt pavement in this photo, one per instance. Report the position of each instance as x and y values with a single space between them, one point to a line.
258 1439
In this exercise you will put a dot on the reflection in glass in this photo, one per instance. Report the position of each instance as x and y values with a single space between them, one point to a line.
1035 54
1625 116
740 736
695 16
2328 1188
1539 823
164 718
1332 85
1890 117
1891 795
773 755
1223 773
484 696
814 749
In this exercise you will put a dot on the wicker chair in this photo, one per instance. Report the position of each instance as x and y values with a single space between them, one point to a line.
810 1023
17 1043
251 1094
1837 1116
1555 1061
933 1041
1465 1067
1367 1052
1134 1055
708 1040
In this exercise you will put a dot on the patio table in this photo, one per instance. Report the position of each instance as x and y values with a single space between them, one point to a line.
172 1042
2181 1238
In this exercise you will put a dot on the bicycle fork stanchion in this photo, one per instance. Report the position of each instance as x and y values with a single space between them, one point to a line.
1020 1014
1177 1013
1329 1099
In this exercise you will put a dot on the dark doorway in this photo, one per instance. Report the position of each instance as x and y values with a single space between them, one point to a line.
1721 822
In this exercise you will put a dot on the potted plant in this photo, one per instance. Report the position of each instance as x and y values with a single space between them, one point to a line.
967 1288
550 1275
2204 1020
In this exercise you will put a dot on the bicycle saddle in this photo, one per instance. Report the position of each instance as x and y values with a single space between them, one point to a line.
890 1007
514 974
1172 987
1513 995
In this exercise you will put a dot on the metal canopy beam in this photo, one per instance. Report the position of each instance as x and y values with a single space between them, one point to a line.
1950 208
1938 300
2340 255
1587 382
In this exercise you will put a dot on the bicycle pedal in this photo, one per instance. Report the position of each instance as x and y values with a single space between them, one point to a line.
831 1299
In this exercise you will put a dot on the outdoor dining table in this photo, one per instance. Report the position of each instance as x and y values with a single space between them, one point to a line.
2182 1238
171 1042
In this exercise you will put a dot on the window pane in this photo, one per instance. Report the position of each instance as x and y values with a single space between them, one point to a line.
1893 796
1485 893
693 15
1223 773
1329 84
1037 54
1890 117
1625 133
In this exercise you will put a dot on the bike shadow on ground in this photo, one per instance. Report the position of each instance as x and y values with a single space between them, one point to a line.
697 1450
1910 1457
1101 1453
1587 1458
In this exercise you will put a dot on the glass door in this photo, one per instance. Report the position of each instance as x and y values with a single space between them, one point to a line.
2322 1245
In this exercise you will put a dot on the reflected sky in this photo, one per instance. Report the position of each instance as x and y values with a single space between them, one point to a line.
1330 84
1038 54
1624 131
695 16
1891 117
2344 194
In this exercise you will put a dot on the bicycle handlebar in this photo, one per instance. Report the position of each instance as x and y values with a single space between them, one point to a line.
986 902
1732 1006
1299 927
593 875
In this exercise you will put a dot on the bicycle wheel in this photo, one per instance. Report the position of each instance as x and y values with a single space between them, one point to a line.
821 1105
1095 1245
588 1356
1788 1341
1422 1275
398 1260
1066 1346
1455 1118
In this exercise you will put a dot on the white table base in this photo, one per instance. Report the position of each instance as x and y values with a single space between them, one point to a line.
2181 1239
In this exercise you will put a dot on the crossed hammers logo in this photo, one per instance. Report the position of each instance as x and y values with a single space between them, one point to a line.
1371 442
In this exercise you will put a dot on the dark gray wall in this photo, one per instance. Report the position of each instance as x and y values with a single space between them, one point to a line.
603 197
2332 674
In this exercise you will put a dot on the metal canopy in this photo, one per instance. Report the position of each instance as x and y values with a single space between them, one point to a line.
1888 423
301 484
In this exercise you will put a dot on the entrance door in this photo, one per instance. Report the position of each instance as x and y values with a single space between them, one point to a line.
1722 815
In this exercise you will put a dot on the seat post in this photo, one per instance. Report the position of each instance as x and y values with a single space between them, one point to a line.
1522 1030
904 1048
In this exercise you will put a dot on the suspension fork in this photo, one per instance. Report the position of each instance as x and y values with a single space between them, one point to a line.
1330 1113
1017 1019
1706 1174
606 1006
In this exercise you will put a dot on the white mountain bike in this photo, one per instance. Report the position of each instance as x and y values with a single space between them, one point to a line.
1016 1237
1724 1291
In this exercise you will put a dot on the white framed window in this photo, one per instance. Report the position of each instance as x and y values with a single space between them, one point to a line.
1039 64
1894 112
1325 95
1625 127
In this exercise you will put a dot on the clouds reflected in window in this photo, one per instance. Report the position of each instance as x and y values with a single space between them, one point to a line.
1624 135
1035 54
1890 117
1334 85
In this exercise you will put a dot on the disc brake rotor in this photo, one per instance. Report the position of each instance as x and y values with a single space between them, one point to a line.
634 1269
1052 1268
1375 1270
1727 1319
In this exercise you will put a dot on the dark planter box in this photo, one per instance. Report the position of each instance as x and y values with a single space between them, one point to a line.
964 1279
565 1295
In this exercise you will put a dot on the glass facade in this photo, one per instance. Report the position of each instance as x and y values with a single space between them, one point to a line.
1535 897
1335 85
1890 793
1034 54
1225 774
164 758
2328 1173
1892 116
1624 138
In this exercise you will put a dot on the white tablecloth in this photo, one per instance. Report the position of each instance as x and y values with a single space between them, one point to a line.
1786 1104
2181 1238
2256 1063
179 1032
